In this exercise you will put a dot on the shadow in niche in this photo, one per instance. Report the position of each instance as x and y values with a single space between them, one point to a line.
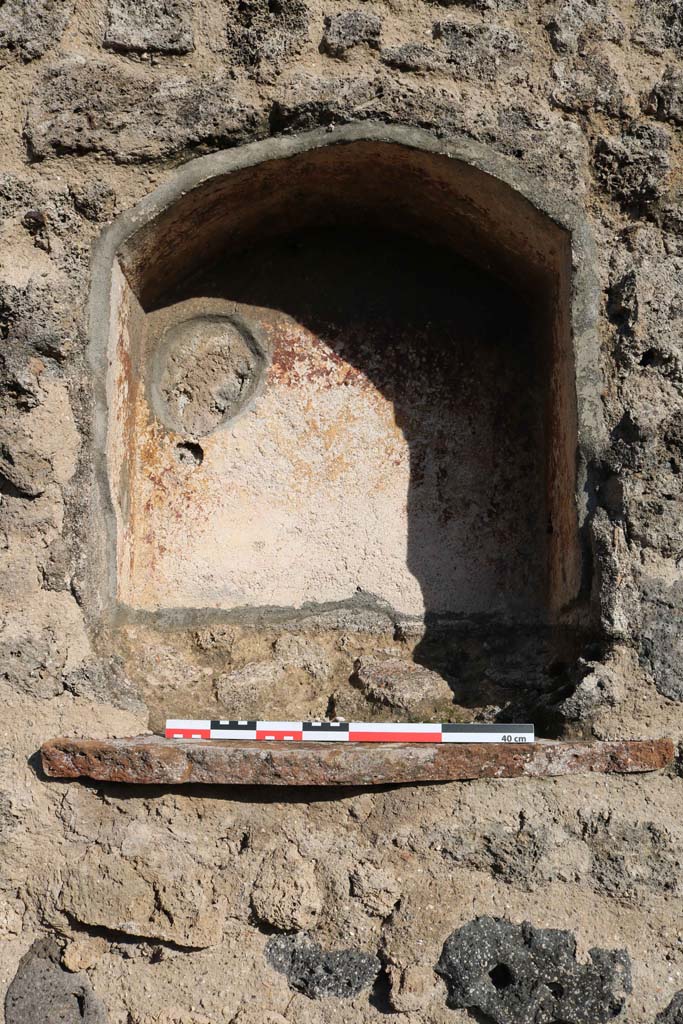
464 362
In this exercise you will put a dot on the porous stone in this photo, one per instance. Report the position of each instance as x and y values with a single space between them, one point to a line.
285 893
587 84
476 51
349 29
152 759
661 643
93 107
158 26
574 24
262 35
518 974
320 973
377 888
207 370
658 25
634 167
412 57
42 991
397 683
665 101
31 27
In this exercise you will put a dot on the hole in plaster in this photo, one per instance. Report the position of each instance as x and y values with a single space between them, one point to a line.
190 453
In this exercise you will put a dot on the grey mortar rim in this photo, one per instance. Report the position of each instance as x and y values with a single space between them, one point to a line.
585 295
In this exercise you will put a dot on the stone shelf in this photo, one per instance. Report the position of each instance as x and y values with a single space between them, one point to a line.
160 761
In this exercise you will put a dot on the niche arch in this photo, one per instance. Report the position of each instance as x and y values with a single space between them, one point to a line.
377 195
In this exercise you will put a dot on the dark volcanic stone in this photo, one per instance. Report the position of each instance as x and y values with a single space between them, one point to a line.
161 26
518 974
673 1014
42 991
347 29
318 973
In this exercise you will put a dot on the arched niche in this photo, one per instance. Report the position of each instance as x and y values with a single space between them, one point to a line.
414 395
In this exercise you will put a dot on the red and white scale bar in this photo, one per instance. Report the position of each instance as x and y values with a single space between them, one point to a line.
349 732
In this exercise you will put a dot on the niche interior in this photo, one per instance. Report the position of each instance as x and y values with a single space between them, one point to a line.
340 371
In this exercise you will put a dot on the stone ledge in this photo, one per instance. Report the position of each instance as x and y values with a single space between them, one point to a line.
156 760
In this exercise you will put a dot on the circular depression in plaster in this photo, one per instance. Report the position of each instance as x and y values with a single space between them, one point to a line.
206 368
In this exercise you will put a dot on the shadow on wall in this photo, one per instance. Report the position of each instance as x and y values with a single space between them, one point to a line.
459 363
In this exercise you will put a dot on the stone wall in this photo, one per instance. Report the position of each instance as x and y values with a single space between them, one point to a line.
158 907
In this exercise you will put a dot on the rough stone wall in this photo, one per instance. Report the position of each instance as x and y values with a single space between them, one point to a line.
254 908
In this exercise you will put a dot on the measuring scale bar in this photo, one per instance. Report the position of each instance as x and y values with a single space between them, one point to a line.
349 732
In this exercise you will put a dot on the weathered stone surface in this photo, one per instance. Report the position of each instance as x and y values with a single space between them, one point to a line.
42 991
262 35
285 893
159 26
573 24
153 759
400 684
665 101
518 974
99 108
348 29
320 973
412 57
476 51
658 25
30 27
634 167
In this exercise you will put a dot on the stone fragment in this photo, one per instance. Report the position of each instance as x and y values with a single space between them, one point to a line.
658 25
587 84
572 24
30 27
157 26
476 51
633 167
301 652
243 690
661 640
94 107
153 759
285 893
348 29
262 35
673 1014
160 895
401 684
95 200
31 660
376 888
412 57
518 974
411 988
42 991
484 6
665 102
83 952
26 471
319 973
